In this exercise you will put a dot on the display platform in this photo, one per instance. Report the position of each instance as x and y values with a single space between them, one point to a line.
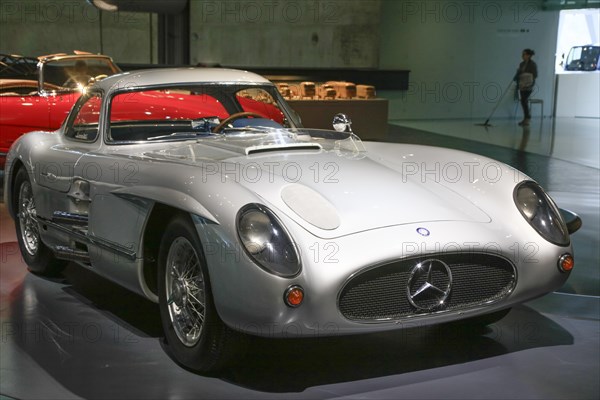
82 337
369 117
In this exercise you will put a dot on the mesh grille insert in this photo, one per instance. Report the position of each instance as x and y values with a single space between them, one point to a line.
382 292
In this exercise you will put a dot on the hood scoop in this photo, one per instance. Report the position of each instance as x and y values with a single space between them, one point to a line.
267 148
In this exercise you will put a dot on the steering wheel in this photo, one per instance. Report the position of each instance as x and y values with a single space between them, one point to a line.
97 78
84 79
235 116
75 80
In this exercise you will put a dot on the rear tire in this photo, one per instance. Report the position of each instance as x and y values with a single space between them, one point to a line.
39 258
195 335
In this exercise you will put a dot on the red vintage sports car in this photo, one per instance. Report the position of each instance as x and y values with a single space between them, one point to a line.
37 93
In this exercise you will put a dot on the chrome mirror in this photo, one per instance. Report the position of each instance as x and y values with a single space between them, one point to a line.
341 123
572 220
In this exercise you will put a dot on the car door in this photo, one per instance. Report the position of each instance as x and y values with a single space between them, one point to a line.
79 136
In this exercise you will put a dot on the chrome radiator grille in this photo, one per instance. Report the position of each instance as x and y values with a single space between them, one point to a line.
432 283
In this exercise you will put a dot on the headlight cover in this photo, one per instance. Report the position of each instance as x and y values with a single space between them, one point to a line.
541 212
266 241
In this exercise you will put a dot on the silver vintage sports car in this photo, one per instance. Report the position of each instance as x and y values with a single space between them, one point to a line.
200 190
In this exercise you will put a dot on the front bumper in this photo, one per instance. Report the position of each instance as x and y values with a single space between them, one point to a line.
250 300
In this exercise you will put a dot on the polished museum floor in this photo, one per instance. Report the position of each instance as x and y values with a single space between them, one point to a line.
80 336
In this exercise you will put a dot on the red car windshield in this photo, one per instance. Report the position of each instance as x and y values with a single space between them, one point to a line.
77 72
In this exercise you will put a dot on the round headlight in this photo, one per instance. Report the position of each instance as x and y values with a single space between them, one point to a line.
541 213
255 231
529 201
266 241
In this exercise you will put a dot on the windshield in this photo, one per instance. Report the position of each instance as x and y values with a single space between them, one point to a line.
77 72
191 111
583 58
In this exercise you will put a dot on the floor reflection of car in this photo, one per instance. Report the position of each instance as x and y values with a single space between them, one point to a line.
37 93
583 58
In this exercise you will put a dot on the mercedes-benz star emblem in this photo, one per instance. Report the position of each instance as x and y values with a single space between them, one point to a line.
429 285
423 231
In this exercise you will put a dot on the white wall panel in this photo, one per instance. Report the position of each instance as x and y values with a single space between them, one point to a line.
463 54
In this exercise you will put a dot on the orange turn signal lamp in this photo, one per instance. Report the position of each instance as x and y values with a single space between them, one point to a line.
293 296
566 262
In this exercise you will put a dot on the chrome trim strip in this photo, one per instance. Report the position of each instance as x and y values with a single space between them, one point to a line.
65 217
106 244
70 254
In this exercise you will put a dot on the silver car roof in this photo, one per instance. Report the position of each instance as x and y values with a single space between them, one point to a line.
166 76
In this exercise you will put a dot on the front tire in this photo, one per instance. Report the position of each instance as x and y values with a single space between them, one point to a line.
195 335
39 258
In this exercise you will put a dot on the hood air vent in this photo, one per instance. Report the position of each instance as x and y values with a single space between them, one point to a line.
286 146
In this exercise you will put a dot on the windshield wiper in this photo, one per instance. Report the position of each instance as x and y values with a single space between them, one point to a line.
181 135
251 129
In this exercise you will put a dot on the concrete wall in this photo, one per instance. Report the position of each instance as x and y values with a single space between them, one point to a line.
286 33
463 55
36 27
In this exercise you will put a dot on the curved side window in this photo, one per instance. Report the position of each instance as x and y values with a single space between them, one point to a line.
83 124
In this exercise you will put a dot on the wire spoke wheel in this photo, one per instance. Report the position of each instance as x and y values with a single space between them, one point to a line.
185 291
30 234
39 258
195 334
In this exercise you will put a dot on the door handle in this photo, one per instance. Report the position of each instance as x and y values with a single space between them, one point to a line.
49 175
